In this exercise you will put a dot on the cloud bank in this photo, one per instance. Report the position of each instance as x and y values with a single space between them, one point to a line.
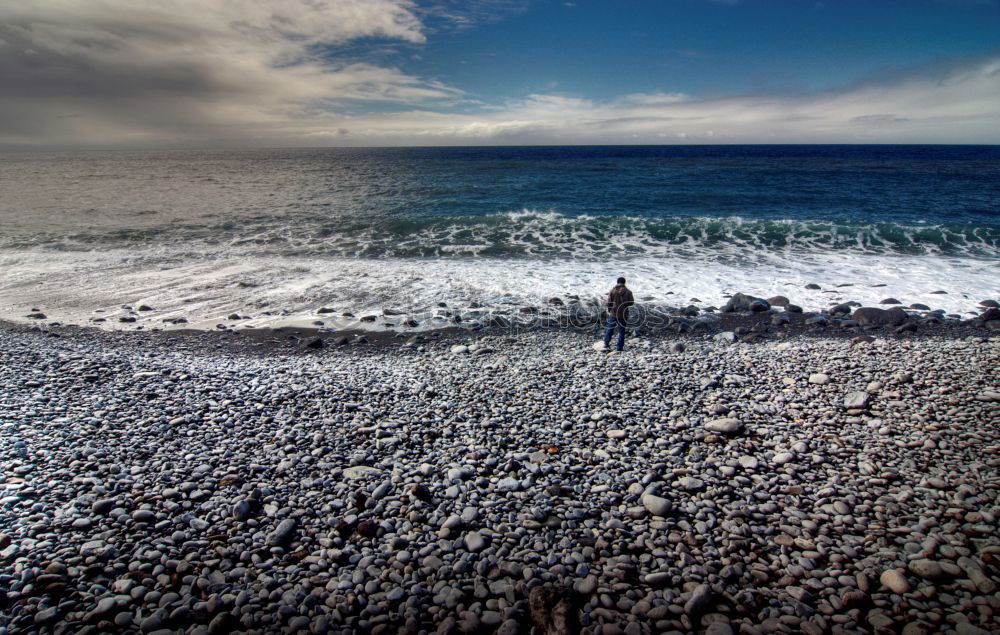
956 105
144 73
136 71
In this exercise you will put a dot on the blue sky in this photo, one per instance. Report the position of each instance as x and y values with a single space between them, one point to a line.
601 49
429 72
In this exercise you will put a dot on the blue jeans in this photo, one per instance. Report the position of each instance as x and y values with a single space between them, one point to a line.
614 323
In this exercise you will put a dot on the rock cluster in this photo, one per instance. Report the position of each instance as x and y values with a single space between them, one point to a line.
812 485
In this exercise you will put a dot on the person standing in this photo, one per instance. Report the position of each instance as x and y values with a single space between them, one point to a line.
619 301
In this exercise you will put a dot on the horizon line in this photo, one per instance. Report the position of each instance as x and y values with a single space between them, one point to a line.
192 148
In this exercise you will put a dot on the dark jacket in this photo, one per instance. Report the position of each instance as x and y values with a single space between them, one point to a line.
619 300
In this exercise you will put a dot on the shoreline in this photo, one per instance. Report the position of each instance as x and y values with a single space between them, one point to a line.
208 481
775 324
124 292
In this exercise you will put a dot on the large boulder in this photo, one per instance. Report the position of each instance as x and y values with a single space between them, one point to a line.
778 300
872 316
312 343
990 314
740 302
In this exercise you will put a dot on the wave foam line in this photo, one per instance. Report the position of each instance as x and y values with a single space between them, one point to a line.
539 235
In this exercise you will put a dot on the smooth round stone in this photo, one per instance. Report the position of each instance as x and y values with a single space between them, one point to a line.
283 533
748 462
143 516
895 580
46 615
658 578
690 484
361 471
491 618
927 569
474 541
656 505
586 586
783 457
508 484
102 507
725 425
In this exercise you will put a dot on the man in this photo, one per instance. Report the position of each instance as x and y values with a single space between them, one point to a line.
619 300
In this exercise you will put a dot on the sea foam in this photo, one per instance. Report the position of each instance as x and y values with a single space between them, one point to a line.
272 290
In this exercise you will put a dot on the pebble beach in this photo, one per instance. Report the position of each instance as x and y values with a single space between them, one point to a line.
821 481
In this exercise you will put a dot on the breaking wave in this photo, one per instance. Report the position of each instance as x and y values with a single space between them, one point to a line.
532 234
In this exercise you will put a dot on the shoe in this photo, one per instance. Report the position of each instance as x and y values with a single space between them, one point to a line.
612 352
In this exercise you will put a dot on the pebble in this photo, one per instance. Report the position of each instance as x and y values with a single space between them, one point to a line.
283 533
474 541
748 462
725 425
690 484
895 580
658 579
361 472
656 505
409 489
143 516
102 507
857 400
586 586
783 457
700 600
927 569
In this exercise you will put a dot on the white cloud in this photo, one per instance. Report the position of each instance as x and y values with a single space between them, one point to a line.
960 105
654 98
466 14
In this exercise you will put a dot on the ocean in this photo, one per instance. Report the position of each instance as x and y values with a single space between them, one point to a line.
275 235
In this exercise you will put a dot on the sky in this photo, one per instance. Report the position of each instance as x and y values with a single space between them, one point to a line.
265 73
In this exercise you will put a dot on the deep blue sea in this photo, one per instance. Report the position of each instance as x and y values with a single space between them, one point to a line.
280 233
